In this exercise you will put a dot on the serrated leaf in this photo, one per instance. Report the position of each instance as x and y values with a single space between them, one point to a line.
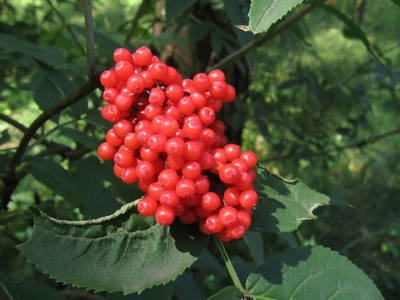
283 204
310 273
228 293
123 252
264 13
29 289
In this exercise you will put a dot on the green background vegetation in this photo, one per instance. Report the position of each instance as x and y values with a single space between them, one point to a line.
312 102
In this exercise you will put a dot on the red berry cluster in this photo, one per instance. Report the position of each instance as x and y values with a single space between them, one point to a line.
166 138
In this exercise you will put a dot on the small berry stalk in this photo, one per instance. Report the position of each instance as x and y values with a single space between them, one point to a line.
167 139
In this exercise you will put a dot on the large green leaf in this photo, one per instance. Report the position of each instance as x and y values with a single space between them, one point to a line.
264 13
283 204
29 289
310 273
122 252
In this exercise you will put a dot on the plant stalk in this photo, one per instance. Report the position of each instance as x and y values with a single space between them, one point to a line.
228 264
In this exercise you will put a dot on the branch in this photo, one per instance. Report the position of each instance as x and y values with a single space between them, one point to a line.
135 21
260 40
71 32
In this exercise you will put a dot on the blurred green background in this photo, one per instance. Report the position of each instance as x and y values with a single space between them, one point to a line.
313 103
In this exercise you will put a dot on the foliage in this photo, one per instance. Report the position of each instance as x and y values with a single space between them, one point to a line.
319 103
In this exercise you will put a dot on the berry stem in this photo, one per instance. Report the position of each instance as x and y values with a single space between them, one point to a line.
228 264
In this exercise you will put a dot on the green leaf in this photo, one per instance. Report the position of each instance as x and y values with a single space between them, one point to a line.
80 137
255 243
59 180
264 13
228 293
46 94
175 7
310 273
283 204
123 252
50 55
29 289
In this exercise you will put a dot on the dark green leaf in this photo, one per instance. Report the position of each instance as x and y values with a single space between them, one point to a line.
228 293
255 243
188 288
175 7
50 55
123 252
264 13
59 180
310 273
46 94
80 137
29 289
283 205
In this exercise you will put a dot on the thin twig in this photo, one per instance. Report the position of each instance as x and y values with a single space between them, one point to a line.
71 32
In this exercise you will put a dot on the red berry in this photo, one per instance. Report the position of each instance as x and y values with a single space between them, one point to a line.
185 188
216 75
229 174
169 198
124 69
105 151
145 170
122 54
210 201
168 178
136 84
250 157
129 175
143 56
201 82
165 215
109 79
248 199
228 215
147 207
213 224
159 70
123 159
